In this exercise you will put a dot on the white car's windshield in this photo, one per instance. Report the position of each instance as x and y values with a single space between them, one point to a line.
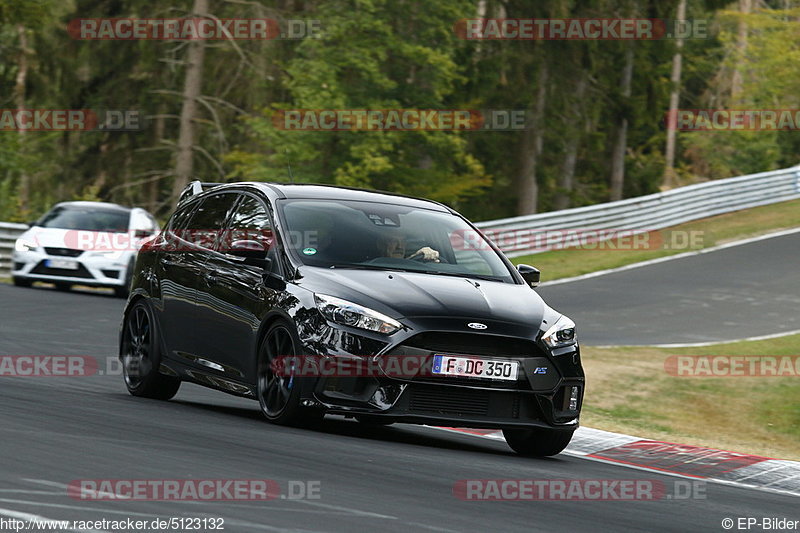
86 218
366 235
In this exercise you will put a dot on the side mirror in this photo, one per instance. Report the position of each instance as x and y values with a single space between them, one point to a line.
142 233
253 252
530 274
32 224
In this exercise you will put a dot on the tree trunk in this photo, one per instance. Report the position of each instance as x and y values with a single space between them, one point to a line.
567 176
19 101
153 187
531 148
674 97
621 140
745 6
193 81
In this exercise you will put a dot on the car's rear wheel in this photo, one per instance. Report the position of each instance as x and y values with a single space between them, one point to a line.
22 282
537 442
141 357
280 392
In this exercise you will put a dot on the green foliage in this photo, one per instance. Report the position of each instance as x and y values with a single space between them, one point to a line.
384 54
374 54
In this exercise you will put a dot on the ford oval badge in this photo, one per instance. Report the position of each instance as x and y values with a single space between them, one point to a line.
477 325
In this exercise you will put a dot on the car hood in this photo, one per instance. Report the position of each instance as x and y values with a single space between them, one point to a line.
409 294
86 240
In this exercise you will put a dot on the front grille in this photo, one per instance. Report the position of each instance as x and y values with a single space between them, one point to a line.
519 384
81 272
63 252
474 344
490 346
449 400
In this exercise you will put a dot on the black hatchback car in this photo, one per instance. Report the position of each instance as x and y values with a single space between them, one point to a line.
316 299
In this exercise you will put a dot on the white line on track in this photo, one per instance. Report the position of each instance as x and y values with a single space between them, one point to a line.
681 256
671 257
39 492
329 507
701 344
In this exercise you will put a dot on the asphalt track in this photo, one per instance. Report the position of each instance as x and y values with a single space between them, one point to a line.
739 292
400 478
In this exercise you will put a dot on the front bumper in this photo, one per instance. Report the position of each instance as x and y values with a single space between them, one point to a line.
540 397
466 407
93 269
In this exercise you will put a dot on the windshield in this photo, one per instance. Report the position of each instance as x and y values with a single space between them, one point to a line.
367 235
86 218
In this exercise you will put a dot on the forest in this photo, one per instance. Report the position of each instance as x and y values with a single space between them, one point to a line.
595 111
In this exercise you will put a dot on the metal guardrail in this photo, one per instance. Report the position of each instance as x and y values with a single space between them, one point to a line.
8 235
516 236
524 235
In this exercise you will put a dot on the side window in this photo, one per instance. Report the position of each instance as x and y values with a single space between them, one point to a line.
180 219
204 225
251 222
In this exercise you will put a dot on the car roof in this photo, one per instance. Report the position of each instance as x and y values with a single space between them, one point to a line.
97 205
310 191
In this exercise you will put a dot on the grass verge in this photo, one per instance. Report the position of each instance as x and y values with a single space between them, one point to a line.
690 236
629 391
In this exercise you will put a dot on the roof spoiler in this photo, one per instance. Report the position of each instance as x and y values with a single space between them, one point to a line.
194 188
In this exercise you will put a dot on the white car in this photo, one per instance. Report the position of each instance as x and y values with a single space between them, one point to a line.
83 243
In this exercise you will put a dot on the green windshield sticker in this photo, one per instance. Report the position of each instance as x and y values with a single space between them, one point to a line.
309 251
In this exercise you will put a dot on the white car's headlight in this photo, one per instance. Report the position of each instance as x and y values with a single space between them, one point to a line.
24 245
560 334
354 315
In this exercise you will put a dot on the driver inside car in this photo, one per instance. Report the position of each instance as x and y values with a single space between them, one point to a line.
394 245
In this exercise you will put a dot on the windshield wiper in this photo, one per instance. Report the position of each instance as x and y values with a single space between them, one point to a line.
483 277
354 266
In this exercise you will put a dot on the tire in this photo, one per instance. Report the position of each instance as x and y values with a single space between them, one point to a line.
22 282
63 287
141 356
537 442
279 396
374 421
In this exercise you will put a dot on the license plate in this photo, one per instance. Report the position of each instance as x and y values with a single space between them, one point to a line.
471 367
63 264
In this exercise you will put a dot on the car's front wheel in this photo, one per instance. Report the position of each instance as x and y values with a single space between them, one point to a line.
537 442
279 391
141 357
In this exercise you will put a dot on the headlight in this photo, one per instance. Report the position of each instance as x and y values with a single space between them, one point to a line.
562 333
23 245
350 314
